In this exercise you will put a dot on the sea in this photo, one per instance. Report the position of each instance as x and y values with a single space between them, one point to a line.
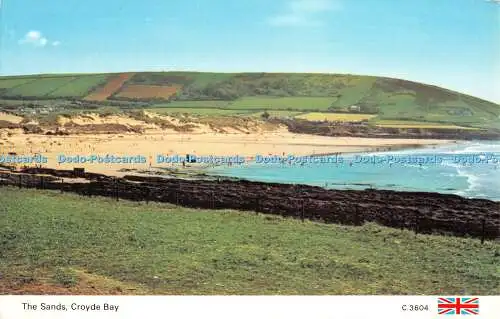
469 169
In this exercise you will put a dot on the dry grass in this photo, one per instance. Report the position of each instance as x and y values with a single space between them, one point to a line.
10 118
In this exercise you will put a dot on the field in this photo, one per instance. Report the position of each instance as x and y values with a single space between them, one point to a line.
39 88
278 113
63 243
13 82
79 87
354 91
147 92
194 104
261 103
18 103
282 103
416 124
342 117
113 85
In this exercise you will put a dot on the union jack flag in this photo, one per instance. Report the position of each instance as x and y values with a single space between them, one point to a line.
458 306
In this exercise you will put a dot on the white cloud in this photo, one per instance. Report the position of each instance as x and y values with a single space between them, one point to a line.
56 43
33 36
304 13
36 39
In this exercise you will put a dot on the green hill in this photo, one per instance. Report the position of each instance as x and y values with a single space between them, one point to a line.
388 98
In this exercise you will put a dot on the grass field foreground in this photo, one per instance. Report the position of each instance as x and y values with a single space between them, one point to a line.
51 242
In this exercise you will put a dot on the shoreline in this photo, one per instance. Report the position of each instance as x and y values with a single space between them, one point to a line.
347 180
162 143
394 148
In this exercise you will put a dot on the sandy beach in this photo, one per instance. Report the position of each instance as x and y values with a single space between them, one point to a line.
229 137
167 143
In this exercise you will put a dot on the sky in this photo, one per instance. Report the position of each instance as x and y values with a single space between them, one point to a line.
451 43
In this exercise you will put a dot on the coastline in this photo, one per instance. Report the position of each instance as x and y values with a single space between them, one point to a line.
152 144
394 148
422 169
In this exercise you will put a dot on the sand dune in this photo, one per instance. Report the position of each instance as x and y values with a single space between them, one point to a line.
10 118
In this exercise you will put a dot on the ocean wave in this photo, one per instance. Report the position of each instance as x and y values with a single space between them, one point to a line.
448 176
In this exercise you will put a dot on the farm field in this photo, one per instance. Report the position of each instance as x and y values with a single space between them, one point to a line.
354 91
12 102
416 124
113 85
278 113
79 87
147 92
8 83
492 124
283 103
39 88
137 248
343 117
194 104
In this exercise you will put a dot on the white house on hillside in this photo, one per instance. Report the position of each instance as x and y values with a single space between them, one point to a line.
355 108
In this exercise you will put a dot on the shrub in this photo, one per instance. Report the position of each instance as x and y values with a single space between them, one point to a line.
65 277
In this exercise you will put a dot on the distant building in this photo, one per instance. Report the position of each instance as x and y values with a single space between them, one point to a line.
460 112
355 108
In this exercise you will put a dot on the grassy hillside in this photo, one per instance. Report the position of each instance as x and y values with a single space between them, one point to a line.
48 87
389 99
56 243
